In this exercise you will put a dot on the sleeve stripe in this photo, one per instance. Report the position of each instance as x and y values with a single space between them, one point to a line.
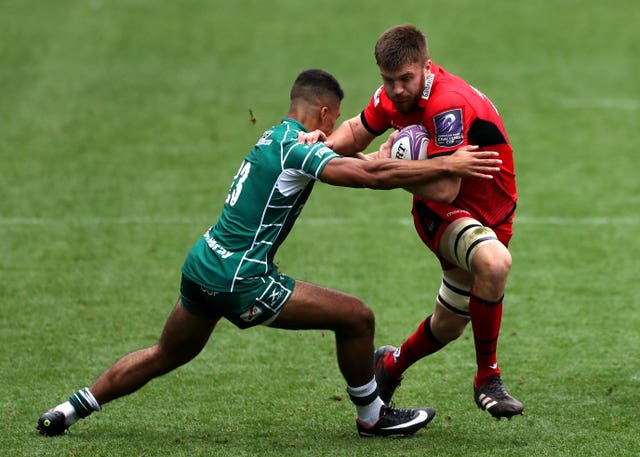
323 164
367 126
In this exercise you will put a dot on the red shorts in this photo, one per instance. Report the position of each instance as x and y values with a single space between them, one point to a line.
431 221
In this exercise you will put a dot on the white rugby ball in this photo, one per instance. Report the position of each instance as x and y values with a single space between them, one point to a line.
411 143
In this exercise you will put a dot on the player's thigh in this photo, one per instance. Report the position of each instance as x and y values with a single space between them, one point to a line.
316 307
185 334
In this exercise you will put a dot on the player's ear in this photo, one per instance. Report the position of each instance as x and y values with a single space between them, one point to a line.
324 112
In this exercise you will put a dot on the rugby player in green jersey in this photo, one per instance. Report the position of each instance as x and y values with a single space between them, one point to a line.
230 271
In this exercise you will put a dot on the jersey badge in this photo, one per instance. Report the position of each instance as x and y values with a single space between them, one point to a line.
449 128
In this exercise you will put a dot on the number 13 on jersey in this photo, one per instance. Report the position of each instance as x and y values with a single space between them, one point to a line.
238 181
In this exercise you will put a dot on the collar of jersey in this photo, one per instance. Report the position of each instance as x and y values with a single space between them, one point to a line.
293 121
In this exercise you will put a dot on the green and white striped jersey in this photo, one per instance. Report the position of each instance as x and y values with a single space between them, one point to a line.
264 201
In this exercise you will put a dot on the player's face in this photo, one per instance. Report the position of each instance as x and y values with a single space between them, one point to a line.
404 86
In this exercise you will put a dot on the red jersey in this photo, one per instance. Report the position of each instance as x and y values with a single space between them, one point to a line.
455 114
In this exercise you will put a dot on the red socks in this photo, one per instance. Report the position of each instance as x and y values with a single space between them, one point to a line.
420 344
486 317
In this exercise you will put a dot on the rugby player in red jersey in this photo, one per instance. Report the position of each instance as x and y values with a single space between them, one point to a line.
470 235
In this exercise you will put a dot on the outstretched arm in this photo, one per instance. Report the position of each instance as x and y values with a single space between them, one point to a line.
394 173
445 189
349 139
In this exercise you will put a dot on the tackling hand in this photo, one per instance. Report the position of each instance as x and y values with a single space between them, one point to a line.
468 162
314 137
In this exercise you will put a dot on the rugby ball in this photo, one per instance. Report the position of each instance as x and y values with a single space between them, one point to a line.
411 143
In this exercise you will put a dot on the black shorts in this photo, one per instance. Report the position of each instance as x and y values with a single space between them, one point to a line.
260 305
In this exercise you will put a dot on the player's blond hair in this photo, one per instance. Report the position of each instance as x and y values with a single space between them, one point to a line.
400 45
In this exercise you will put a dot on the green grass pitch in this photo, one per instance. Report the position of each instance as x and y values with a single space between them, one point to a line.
121 125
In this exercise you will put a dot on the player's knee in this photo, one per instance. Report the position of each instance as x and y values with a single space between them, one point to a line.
367 319
492 263
361 319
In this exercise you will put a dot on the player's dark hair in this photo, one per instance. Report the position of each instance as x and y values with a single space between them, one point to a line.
400 45
315 83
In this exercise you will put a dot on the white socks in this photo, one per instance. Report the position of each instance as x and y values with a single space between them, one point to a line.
367 401
80 405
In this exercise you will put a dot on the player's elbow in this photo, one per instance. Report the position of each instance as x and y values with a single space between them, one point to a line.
444 195
448 190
